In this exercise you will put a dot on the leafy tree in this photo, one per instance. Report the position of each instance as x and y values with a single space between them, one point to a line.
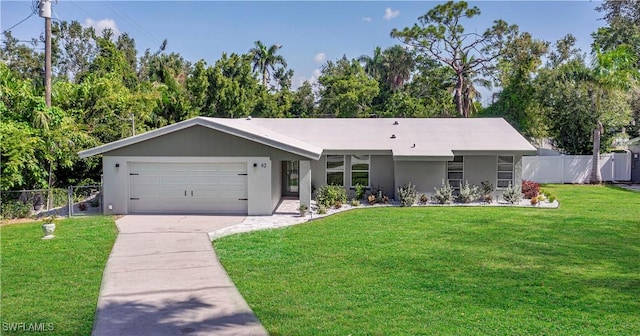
283 78
346 90
25 61
612 70
169 74
73 49
265 60
111 61
233 90
518 101
441 36
303 104
587 105
431 84
35 139
197 85
127 46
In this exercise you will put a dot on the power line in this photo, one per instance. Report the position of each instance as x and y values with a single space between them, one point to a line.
131 22
15 25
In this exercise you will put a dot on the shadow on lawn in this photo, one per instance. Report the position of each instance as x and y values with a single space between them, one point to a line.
188 317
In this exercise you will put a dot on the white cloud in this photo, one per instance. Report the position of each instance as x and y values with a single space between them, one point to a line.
320 57
390 14
367 18
101 25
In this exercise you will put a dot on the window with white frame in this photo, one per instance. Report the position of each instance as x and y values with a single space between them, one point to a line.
455 172
505 171
335 170
360 170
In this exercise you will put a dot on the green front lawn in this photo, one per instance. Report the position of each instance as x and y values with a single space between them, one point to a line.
55 282
443 270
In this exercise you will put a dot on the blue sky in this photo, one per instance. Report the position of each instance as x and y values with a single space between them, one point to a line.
310 32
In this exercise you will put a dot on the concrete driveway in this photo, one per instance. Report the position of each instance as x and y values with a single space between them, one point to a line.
163 278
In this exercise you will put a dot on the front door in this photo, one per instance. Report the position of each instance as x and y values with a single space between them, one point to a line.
290 178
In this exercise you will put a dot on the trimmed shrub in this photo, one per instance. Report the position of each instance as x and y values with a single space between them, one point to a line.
530 189
468 193
423 199
486 190
407 194
330 195
444 194
354 203
512 194
322 210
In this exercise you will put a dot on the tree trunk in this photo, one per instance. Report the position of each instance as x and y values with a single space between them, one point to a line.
264 77
457 96
596 177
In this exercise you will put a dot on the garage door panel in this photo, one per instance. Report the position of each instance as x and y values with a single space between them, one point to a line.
189 188
215 195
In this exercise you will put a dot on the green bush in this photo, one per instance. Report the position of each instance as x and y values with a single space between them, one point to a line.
469 193
330 195
16 209
360 191
407 194
322 210
444 194
512 194
550 197
354 203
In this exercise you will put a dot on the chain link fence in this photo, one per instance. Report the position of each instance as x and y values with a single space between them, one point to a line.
73 201
85 200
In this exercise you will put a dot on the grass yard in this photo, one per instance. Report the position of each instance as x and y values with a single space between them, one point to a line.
455 271
55 282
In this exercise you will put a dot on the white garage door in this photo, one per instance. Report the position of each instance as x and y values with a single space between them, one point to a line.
188 188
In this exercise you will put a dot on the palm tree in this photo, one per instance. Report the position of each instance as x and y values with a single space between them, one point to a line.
373 64
398 64
265 59
611 70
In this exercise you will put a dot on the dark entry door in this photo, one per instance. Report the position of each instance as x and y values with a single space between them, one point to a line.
290 178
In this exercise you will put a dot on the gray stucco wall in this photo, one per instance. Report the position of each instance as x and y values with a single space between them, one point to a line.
382 173
202 141
517 170
425 175
276 183
318 177
480 168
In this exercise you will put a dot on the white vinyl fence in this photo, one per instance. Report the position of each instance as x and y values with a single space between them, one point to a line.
575 168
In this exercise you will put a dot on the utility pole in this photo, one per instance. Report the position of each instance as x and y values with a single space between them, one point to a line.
45 12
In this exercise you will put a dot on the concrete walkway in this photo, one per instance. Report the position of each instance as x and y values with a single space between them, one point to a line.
163 278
